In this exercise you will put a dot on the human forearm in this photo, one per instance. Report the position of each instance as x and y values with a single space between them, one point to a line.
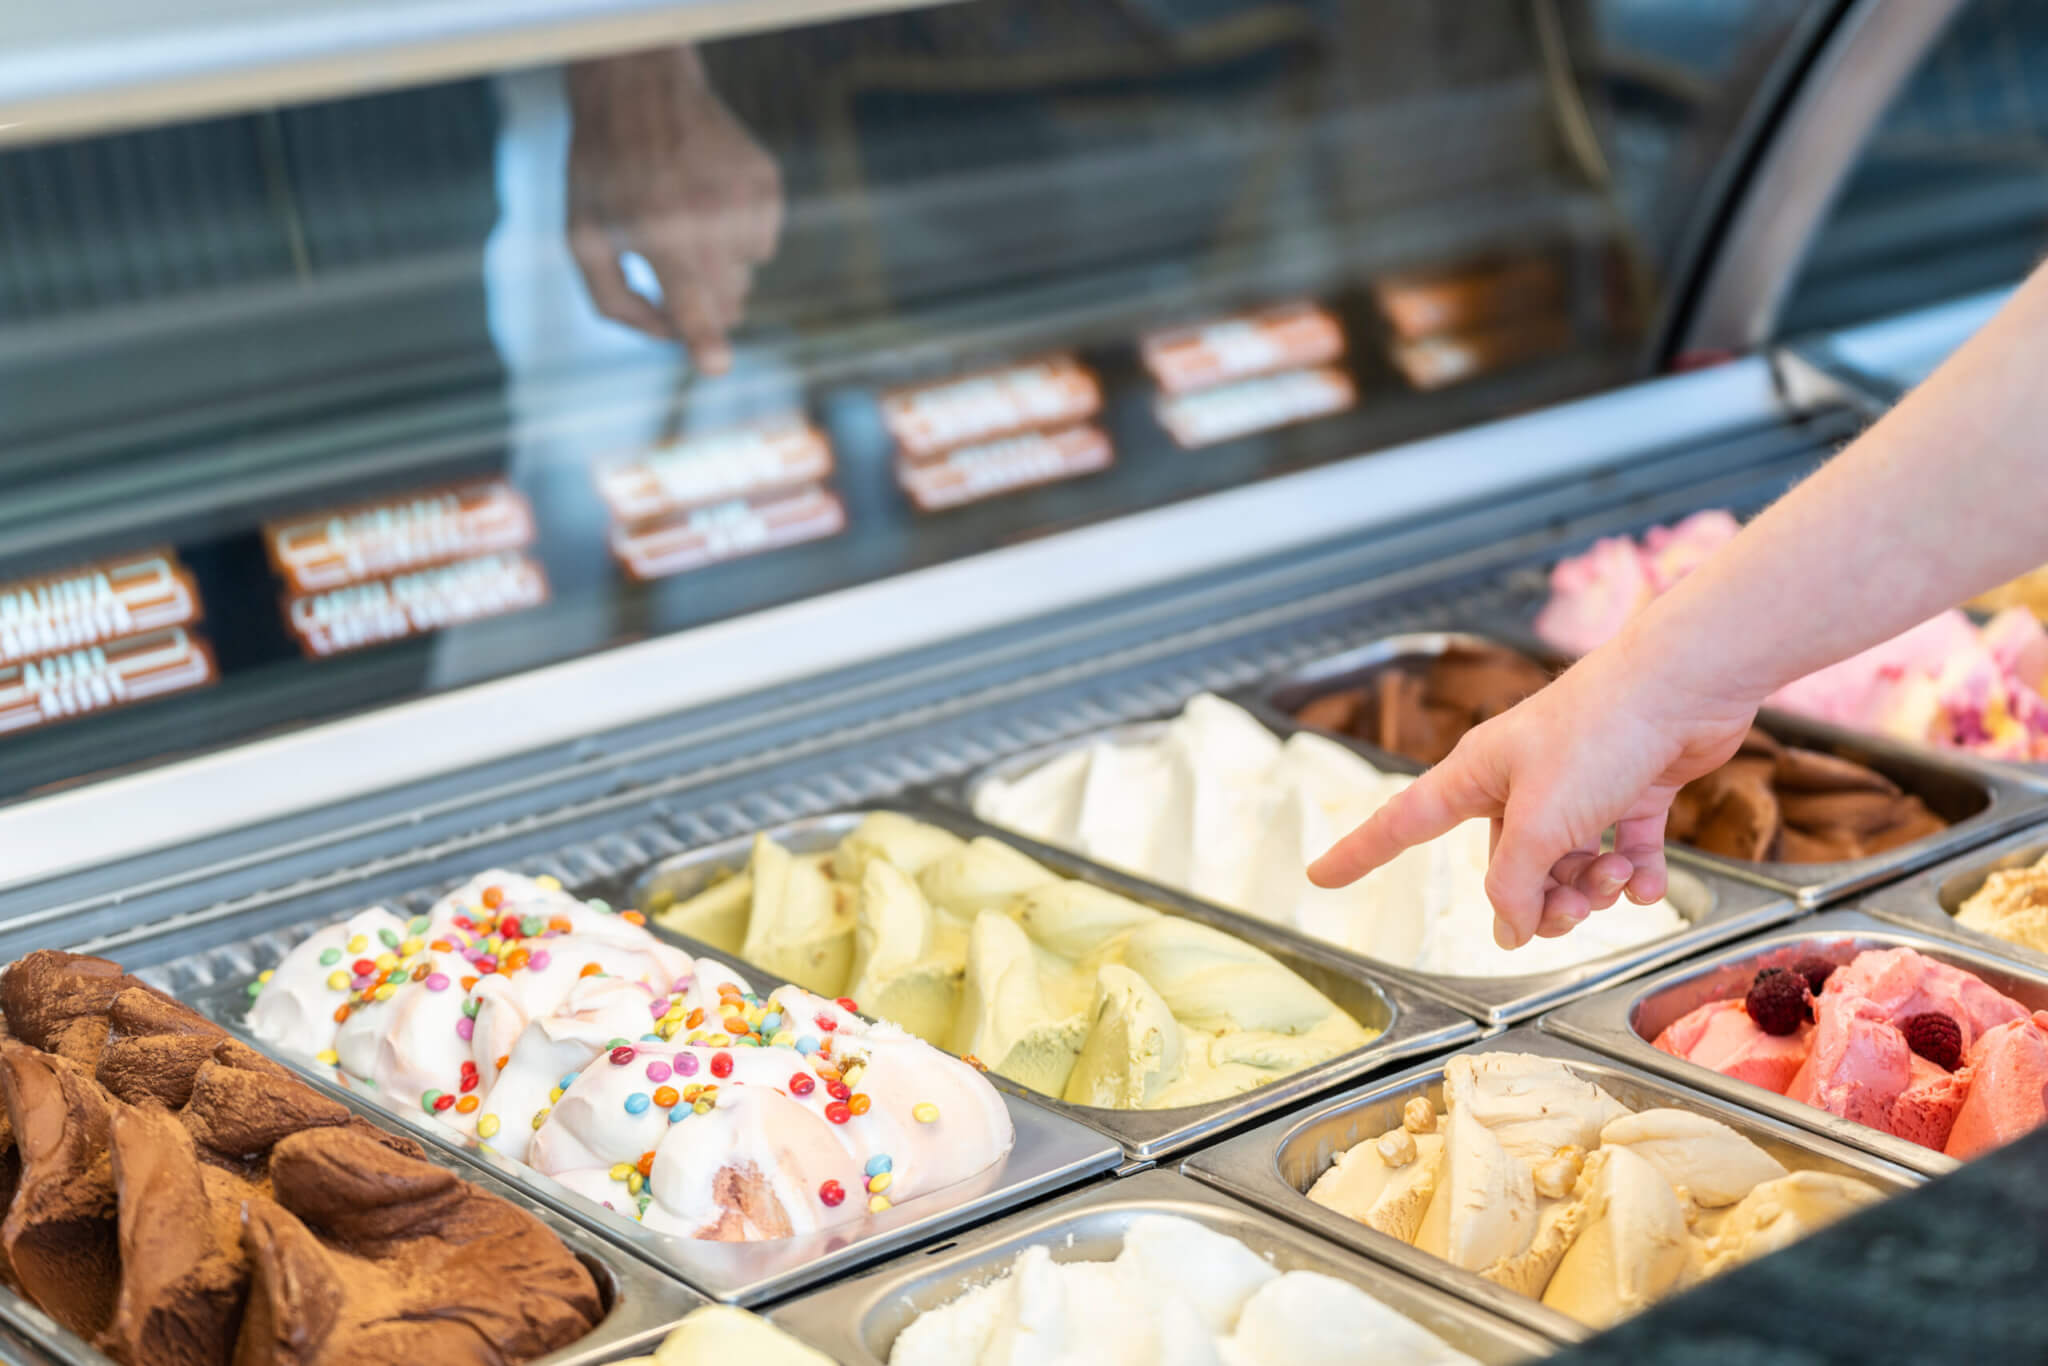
1945 497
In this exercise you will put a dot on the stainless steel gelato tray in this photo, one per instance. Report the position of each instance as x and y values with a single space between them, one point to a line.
1622 1022
1409 1022
1980 800
641 1304
1274 1165
1050 1154
858 1320
1930 900
1718 908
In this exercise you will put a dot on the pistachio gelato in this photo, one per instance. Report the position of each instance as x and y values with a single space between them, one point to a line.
1059 985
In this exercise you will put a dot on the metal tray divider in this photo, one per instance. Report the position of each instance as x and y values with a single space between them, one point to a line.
1420 1022
1928 901
1606 1022
851 1319
1249 1166
2012 800
1735 907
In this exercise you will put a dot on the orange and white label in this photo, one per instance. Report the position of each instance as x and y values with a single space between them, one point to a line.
1255 405
994 468
930 419
727 531
1437 362
372 540
93 604
102 677
744 462
1424 303
414 604
1285 337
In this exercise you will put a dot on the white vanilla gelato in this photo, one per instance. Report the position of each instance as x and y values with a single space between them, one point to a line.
1219 807
1178 1294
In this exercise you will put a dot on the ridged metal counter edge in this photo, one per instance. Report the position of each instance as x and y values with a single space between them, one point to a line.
1420 1023
1734 906
843 1317
1605 1022
1248 1167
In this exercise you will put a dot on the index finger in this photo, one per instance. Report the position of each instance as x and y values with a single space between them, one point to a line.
1433 805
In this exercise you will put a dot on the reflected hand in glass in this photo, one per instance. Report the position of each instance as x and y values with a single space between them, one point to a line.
659 166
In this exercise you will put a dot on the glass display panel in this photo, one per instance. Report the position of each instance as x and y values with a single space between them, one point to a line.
312 409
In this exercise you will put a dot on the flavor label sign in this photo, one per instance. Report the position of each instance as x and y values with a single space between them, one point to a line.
930 419
745 462
1255 405
94 604
1284 337
414 604
102 677
727 531
995 468
372 540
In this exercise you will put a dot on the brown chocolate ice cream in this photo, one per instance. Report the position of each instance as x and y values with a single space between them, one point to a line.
1772 802
180 1200
1420 713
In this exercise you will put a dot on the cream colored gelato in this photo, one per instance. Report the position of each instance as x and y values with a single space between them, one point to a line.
1061 986
720 1335
2011 905
1219 807
1177 1293
1538 1180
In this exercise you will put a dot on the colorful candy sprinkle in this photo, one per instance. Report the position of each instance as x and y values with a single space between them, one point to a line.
838 1112
540 959
465 1029
637 1103
877 1203
622 1054
329 1057
437 981
467 1105
666 1097
487 1126
721 1064
494 897
686 1064
658 1071
859 1103
924 1112
329 957
879 1182
337 980
831 1193
878 1164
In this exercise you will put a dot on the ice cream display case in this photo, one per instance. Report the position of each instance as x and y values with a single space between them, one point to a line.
579 581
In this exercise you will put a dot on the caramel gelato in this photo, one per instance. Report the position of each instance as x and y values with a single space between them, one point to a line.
177 1199
2011 905
1538 1180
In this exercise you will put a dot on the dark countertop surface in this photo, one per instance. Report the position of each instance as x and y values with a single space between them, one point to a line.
1956 1272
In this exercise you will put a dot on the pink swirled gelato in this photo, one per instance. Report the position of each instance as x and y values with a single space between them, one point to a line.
569 1037
1946 682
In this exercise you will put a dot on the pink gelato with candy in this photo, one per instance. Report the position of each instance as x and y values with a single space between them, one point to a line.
1894 1039
1946 682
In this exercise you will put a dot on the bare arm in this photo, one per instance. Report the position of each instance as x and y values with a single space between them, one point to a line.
1945 497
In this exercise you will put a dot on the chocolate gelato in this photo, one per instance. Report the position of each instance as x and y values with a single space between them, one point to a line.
179 1200
1771 803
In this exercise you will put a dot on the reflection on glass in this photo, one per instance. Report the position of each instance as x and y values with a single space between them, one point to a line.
869 296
